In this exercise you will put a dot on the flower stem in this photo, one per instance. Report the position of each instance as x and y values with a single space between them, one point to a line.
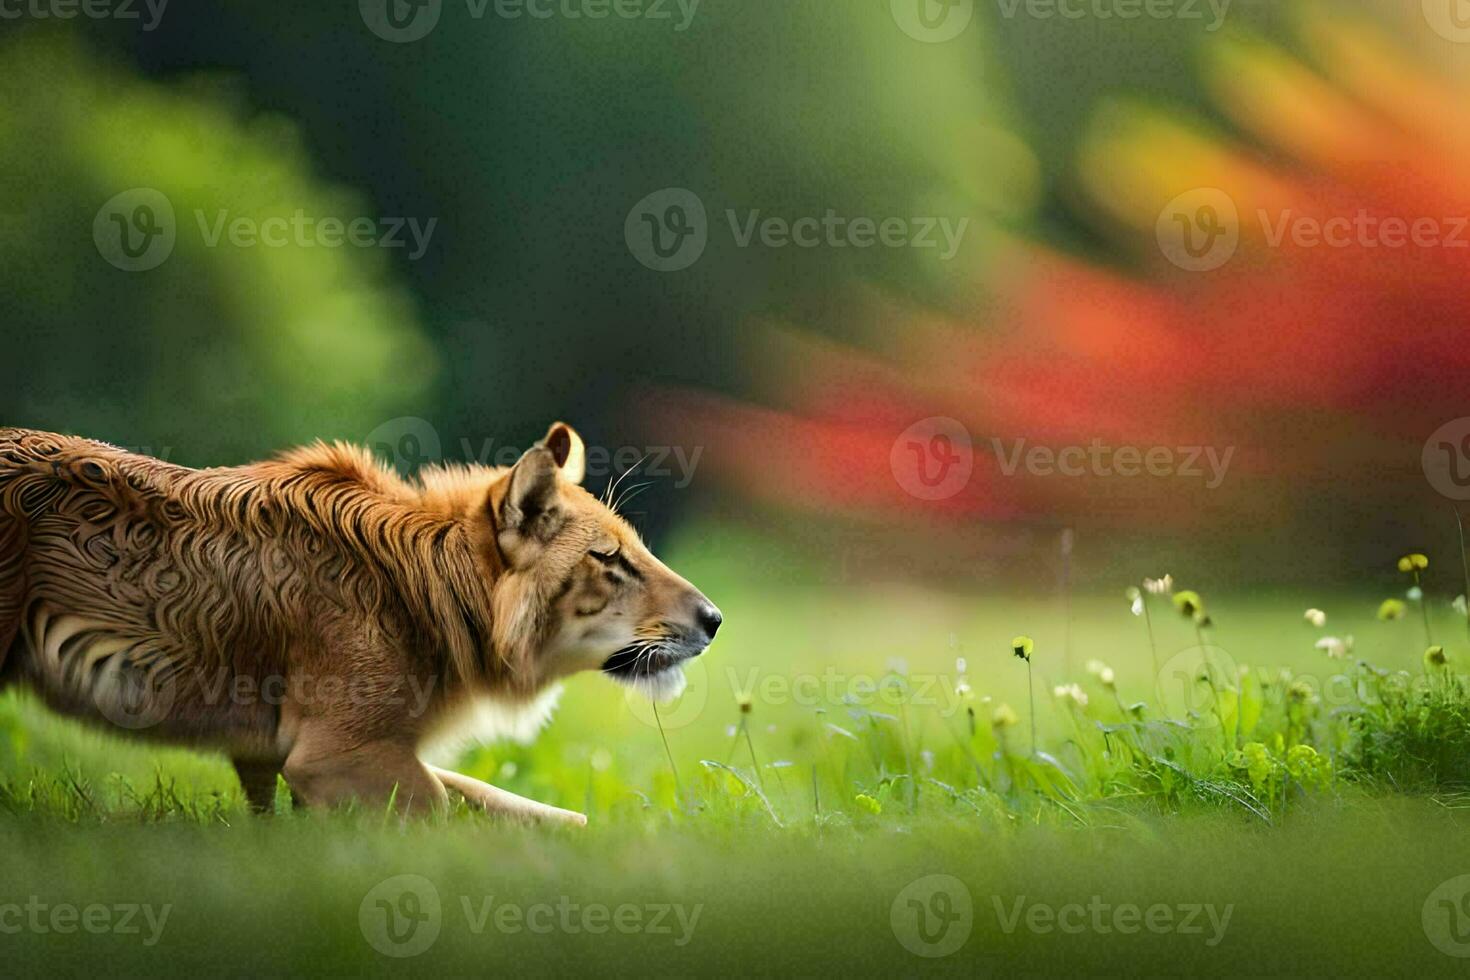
1153 650
1204 654
678 785
1424 609
1031 694
754 763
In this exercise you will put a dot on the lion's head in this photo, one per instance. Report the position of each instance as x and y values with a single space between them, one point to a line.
578 589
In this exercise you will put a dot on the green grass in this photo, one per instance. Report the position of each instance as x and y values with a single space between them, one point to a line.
873 772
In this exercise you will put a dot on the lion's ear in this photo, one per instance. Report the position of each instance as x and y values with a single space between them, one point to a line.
530 506
568 451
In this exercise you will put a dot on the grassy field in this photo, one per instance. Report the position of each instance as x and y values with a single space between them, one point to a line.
832 794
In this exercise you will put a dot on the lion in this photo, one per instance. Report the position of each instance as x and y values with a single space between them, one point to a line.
318 617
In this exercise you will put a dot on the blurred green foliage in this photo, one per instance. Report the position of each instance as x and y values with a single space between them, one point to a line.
219 352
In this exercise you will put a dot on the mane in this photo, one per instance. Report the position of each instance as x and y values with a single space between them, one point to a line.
408 534
454 489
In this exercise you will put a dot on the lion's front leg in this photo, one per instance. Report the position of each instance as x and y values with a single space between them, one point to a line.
503 803
326 768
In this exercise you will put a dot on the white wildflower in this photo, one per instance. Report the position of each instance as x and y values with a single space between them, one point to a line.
1160 586
1071 692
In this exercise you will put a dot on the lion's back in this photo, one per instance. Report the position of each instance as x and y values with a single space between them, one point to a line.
121 570
118 572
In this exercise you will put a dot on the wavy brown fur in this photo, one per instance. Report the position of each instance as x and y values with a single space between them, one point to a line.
233 568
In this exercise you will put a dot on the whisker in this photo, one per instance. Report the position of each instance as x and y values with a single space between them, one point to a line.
613 487
630 493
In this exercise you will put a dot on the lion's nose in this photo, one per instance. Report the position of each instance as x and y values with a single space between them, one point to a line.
709 618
